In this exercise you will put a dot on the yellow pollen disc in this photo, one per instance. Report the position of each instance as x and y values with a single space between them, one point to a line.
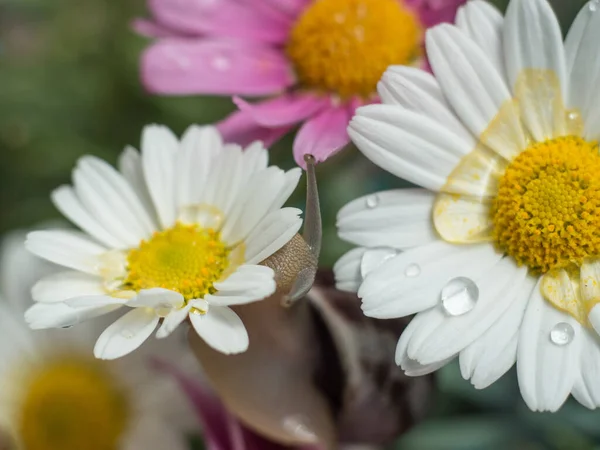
72 404
547 211
344 46
187 259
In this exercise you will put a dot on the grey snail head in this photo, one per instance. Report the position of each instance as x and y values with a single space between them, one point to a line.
317 371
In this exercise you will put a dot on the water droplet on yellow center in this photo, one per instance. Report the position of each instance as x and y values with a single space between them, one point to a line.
547 211
344 46
187 259
72 404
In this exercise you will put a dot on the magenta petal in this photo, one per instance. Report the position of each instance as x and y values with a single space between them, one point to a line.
433 12
284 110
241 128
223 18
323 135
183 67
151 29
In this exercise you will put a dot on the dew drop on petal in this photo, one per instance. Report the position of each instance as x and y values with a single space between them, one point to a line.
594 5
562 333
372 201
412 271
221 63
374 258
127 334
459 296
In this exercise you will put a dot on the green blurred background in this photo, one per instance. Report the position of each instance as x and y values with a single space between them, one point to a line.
69 86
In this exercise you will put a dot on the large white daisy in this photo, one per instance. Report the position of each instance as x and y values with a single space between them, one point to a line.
179 231
499 255
55 396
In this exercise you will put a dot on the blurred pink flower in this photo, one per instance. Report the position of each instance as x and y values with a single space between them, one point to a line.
315 61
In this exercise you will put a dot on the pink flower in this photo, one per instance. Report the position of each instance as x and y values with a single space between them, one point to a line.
312 62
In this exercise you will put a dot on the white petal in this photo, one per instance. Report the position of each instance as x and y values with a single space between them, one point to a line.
498 289
127 203
462 219
59 315
65 285
594 318
67 202
483 23
292 177
224 182
495 351
587 389
259 195
407 144
475 89
256 157
533 40
105 203
400 218
272 233
173 320
199 147
347 270
130 166
418 91
222 329
411 367
590 280
583 54
413 280
159 147
87 301
157 298
249 283
126 334
66 248
546 371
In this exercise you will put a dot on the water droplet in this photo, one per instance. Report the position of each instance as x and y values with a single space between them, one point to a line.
299 426
221 63
412 271
459 296
562 333
127 334
373 258
594 5
372 201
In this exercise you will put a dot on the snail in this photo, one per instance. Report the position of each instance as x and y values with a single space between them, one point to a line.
317 371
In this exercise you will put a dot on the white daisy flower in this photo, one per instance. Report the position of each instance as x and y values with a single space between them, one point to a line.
499 255
179 231
55 395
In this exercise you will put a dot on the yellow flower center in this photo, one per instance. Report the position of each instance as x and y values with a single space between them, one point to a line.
344 46
187 259
547 211
72 404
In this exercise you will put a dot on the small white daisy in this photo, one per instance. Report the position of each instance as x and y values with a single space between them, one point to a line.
179 231
55 396
500 253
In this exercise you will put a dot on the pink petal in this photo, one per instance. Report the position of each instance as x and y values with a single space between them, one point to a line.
241 128
323 135
203 66
292 8
433 12
286 109
150 29
222 18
